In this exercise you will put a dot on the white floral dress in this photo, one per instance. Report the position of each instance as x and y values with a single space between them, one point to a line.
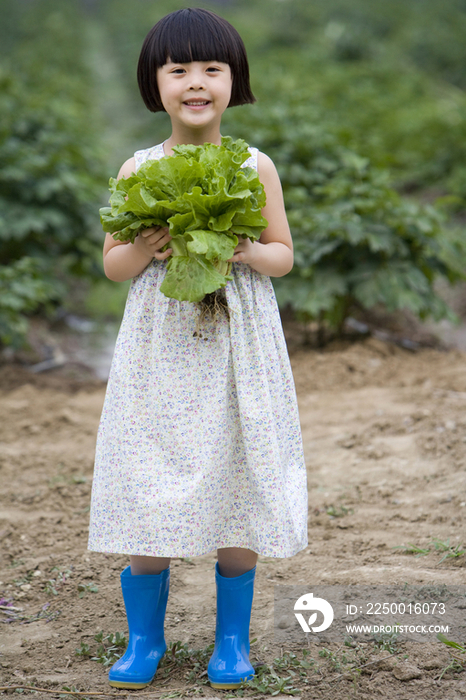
199 444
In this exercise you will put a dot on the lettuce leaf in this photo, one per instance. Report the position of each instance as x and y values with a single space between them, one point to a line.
206 198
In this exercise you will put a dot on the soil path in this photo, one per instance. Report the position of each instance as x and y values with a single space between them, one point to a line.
384 434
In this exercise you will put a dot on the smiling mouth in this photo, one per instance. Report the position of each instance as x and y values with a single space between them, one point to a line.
196 103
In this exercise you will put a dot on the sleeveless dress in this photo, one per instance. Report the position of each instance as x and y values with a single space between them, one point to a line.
199 445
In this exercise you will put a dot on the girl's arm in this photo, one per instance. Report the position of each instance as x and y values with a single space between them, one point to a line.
272 254
124 260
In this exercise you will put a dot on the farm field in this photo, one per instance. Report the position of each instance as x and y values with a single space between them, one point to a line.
369 141
384 433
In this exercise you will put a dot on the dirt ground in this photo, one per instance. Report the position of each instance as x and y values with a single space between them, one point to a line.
384 432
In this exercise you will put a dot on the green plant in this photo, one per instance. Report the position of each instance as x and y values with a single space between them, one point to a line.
66 479
336 659
461 648
24 288
413 549
180 655
458 661
347 661
50 588
83 650
61 578
387 641
16 562
338 511
111 647
291 661
449 550
84 588
50 176
27 578
206 198
268 681
357 242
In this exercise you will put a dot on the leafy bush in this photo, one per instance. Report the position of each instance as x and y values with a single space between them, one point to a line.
357 242
47 187
50 178
421 32
23 288
398 118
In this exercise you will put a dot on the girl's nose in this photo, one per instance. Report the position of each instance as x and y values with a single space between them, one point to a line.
197 82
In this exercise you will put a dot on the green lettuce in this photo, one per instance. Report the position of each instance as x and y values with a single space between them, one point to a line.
206 198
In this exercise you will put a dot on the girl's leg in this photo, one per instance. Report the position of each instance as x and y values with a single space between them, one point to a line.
235 561
152 566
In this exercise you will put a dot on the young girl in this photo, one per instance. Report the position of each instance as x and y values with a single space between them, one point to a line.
199 446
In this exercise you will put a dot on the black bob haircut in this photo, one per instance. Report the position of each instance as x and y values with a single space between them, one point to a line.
193 34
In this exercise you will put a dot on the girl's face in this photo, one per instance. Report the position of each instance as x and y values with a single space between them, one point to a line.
196 94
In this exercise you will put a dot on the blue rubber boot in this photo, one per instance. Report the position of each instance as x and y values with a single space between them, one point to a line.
229 663
145 602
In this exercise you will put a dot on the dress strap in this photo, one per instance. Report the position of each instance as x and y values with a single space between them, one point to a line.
153 153
251 162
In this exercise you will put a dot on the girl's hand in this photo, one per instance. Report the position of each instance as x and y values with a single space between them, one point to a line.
244 251
151 240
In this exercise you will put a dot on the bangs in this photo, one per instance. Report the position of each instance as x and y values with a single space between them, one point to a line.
186 37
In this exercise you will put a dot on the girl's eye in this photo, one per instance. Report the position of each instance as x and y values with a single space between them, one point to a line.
178 70
213 69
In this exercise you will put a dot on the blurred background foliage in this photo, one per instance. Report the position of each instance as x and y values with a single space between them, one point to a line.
361 104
